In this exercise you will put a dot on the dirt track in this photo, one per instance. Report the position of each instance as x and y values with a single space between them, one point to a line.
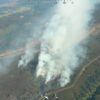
72 85
19 51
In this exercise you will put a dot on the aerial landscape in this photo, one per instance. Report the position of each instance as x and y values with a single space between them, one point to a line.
49 50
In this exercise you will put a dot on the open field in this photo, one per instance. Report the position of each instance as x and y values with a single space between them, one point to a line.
16 84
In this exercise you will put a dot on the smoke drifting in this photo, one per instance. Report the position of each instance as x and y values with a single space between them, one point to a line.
61 44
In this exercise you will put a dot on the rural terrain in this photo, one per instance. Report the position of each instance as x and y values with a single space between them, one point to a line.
18 84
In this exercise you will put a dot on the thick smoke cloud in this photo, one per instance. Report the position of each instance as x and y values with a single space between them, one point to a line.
61 45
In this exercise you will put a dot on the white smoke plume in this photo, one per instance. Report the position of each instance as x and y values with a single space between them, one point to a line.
61 43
